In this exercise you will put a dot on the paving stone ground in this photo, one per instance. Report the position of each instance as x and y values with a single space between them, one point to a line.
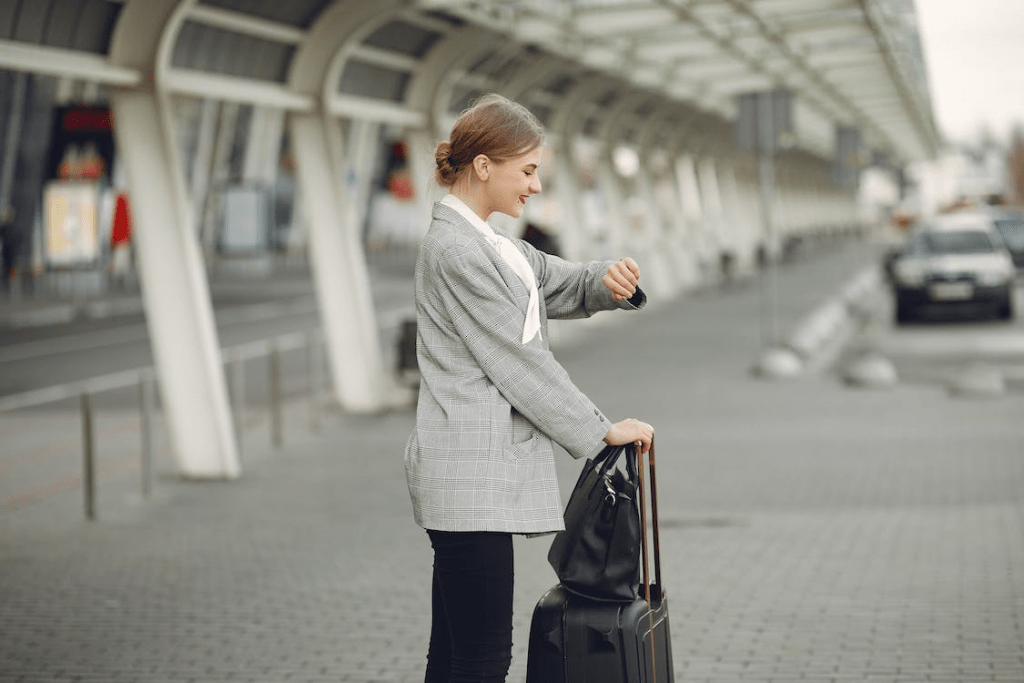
810 531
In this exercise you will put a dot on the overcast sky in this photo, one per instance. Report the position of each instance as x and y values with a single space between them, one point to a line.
974 52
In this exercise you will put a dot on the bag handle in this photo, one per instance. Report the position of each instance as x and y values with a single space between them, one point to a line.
607 459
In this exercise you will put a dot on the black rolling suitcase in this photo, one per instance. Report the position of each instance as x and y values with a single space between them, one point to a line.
575 639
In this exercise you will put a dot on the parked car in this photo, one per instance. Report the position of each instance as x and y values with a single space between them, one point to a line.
953 260
1010 223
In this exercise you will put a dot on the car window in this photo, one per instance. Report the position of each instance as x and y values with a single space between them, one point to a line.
957 242
1012 231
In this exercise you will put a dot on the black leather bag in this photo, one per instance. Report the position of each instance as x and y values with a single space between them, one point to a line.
598 554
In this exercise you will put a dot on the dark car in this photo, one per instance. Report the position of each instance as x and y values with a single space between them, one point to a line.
1010 224
952 261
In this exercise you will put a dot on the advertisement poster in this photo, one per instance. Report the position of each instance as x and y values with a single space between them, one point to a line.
71 223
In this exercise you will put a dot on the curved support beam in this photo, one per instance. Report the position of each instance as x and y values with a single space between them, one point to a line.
323 163
428 94
565 126
608 177
63 63
179 312
711 201
337 32
660 244
535 71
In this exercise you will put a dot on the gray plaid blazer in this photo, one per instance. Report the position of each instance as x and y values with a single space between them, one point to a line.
481 455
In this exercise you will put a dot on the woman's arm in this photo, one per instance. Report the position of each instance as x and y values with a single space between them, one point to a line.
578 290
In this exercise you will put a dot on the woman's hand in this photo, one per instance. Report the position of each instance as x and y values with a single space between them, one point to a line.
621 278
630 430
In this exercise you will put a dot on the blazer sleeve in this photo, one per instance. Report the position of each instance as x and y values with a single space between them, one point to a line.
490 323
575 290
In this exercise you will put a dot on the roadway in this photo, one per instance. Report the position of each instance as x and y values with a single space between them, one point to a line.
247 308
250 309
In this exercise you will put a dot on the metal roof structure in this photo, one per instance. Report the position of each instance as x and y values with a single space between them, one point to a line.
848 63
655 83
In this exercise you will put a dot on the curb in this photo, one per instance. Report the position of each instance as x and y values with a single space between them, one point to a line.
818 339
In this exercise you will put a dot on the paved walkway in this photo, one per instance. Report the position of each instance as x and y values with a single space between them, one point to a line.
811 532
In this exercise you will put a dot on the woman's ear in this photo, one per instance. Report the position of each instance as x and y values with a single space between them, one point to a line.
482 166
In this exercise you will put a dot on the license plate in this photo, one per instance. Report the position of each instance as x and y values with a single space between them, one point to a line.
951 291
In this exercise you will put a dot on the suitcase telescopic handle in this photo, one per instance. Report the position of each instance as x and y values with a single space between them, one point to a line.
656 536
657 546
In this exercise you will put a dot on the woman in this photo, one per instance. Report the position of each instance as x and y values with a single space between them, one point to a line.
493 399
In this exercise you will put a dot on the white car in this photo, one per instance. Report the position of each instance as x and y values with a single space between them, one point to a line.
953 260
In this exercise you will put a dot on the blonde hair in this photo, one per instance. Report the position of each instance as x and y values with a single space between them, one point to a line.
494 126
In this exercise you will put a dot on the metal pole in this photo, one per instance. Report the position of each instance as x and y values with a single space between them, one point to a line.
766 144
314 370
274 367
11 138
89 460
146 411
238 397
770 278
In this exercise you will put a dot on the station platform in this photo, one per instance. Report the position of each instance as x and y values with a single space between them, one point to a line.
810 531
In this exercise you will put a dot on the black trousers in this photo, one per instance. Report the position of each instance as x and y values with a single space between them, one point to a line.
471 627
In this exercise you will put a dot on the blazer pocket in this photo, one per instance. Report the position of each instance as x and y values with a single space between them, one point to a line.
524 449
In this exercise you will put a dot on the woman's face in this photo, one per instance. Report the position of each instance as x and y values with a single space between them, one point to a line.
512 181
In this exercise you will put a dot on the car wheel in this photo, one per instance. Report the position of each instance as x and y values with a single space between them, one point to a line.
1005 311
904 313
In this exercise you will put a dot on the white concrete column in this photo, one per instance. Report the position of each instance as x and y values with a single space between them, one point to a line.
429 92
219 173
364 137
339 268
422 166
610 187
575 232
174 288
202 162
689 223
263 146
571 230
682 265
652 244
179 313
658 228
711 201
701 217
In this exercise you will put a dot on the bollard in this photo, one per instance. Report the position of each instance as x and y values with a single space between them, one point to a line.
88 459
146 431
238 396
274 397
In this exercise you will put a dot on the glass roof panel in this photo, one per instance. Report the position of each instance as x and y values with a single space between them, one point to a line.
298 13
208 48
403 37
373 81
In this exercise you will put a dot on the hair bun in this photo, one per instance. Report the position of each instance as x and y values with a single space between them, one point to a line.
446 170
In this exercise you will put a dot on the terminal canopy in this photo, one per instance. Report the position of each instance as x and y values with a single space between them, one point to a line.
848 63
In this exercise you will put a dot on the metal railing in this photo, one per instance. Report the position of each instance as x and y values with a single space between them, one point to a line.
234 358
